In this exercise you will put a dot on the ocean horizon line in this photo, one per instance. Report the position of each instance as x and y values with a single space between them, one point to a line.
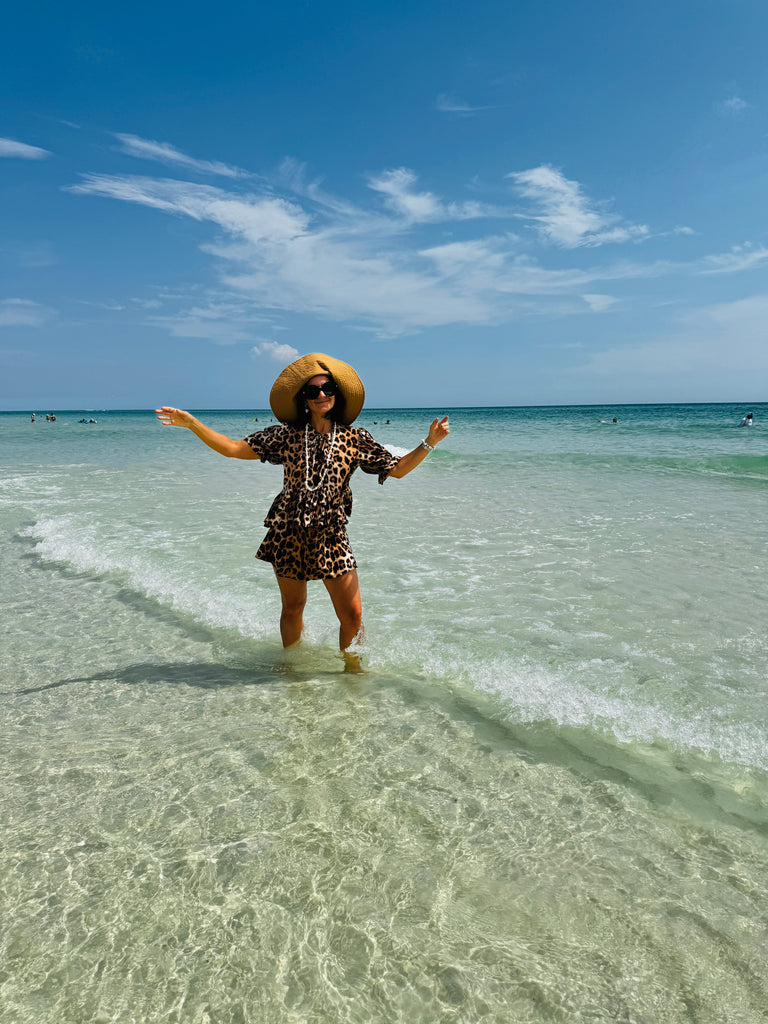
402 408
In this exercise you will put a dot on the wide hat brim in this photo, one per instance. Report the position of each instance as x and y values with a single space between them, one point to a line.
283 396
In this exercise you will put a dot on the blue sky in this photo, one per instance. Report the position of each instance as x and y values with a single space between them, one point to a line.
492 204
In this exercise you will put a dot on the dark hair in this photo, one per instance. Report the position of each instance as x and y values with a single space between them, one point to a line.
335 414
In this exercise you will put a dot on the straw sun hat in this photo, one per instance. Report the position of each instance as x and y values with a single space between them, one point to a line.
282 397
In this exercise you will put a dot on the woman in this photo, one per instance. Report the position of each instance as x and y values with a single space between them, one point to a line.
316 399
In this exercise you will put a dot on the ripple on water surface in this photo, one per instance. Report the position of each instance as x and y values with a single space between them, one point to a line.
305 847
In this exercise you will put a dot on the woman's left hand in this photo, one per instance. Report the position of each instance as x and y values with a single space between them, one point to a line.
438 431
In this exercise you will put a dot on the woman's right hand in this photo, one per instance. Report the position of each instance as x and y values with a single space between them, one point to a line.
171 417
220 443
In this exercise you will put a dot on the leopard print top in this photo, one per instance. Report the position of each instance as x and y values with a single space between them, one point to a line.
331 504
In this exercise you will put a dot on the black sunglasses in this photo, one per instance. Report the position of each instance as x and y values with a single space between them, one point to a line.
312 391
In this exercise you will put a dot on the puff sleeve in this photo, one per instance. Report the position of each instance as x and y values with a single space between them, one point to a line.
373 457
270 444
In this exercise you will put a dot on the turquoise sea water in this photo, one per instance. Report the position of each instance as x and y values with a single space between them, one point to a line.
546 799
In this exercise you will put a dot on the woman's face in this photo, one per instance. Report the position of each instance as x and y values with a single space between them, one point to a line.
323 404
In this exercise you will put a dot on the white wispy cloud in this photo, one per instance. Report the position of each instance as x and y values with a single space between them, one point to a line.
567 217
291 263
493 266
416 261
448 105
733 105
280 353
599 303
346 216
222 321
23 313
740 257
165 153
423 207
397 185
21 150
256 218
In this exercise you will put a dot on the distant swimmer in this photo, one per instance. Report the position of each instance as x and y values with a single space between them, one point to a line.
747 421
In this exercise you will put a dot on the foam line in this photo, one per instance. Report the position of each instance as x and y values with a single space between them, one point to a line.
530 692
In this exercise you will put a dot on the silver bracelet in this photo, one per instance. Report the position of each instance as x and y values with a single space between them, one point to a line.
427 446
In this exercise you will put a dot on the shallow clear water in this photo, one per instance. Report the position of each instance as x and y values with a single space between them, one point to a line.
544 801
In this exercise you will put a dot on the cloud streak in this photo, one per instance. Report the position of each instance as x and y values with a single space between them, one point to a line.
741 257
22 151
565 216
22 313
165 153
448 105
423 207
220 320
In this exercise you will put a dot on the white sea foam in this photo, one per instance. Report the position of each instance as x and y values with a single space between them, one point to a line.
69 541
536 694
532 693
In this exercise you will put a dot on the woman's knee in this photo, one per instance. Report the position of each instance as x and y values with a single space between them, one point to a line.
350 613
293 606
293 595
345 595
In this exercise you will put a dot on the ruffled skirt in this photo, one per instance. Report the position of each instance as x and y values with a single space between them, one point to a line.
307 553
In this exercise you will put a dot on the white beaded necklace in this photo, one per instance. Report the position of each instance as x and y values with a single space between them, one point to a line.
319 484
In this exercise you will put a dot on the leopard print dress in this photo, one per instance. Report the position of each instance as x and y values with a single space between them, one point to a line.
307 526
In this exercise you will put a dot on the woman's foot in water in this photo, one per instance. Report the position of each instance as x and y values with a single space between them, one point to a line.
352 661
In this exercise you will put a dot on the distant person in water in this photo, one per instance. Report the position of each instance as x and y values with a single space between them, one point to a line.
315 400
747 421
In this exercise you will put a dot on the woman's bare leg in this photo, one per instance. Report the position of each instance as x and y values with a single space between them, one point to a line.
344 592
294 596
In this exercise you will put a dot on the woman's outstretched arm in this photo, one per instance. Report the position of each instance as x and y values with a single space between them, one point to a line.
220 443
437 432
